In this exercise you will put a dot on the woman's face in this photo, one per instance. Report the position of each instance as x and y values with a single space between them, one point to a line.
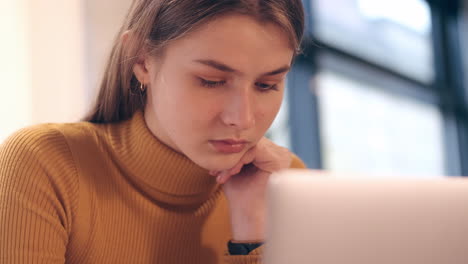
215 92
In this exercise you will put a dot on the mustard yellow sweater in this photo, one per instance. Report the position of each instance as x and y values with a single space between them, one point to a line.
108 193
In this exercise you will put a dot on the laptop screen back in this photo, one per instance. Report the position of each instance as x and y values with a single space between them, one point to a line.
315 217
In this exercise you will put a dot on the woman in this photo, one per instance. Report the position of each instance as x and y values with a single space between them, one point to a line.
171 164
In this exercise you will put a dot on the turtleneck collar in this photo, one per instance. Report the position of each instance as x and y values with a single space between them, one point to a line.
161 172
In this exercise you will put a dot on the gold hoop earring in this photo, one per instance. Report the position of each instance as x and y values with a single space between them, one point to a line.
142 87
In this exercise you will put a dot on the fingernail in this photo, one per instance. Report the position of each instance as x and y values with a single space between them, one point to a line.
218 178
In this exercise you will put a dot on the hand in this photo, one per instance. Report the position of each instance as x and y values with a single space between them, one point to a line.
245 187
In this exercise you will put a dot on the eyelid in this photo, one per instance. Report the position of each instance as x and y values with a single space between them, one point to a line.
262 86
210 83
212 79
270 87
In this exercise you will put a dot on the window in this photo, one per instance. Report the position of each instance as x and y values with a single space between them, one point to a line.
279 131
366 129
379 89
395 34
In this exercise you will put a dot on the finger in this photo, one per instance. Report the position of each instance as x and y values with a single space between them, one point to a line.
271 157
236 169
249 156
213 173
223 177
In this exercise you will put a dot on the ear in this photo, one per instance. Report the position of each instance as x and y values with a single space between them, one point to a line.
124 37
140 69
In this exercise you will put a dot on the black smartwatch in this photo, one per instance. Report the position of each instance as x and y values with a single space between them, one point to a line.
242 248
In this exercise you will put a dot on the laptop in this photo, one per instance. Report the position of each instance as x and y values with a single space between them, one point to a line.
323 218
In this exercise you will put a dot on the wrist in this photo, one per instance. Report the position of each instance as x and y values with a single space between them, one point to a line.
248 225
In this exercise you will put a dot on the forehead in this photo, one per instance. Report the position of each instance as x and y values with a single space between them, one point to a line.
237 40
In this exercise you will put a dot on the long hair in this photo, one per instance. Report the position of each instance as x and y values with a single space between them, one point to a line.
153 24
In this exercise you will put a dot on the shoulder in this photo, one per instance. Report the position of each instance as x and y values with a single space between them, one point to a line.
36 161
35 150
38 173
49 142
297 163
42 148
38 140
44 139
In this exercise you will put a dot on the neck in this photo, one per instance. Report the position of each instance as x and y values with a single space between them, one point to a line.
155 167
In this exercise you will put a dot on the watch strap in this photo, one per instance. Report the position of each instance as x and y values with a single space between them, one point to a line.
242 248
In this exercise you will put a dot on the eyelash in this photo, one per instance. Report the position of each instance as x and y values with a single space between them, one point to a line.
213 84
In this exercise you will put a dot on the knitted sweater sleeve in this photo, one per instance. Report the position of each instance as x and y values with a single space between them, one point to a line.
255 257
36 196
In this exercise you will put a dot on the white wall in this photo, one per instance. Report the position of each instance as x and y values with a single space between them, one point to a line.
57 45
52 54
103 20
15 88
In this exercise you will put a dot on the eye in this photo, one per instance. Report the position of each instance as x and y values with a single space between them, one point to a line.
266 87
211 84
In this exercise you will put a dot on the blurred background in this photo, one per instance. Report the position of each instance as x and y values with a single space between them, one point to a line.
379 89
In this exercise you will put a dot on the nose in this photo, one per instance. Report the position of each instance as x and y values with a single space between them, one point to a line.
239 110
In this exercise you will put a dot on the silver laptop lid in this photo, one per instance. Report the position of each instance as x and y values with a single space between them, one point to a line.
315 217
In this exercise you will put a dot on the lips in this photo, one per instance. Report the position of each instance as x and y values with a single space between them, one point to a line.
229 146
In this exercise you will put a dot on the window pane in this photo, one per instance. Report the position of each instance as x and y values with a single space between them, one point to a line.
279 131
368 130
395 34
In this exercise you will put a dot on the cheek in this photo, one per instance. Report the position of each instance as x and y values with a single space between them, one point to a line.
267 112
183 106
201 107
189 114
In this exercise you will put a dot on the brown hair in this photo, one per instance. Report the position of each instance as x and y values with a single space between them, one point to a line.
152 24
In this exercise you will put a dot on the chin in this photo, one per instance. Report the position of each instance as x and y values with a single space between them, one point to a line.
217 162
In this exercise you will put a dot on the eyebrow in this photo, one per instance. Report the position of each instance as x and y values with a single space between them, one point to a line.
223 67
